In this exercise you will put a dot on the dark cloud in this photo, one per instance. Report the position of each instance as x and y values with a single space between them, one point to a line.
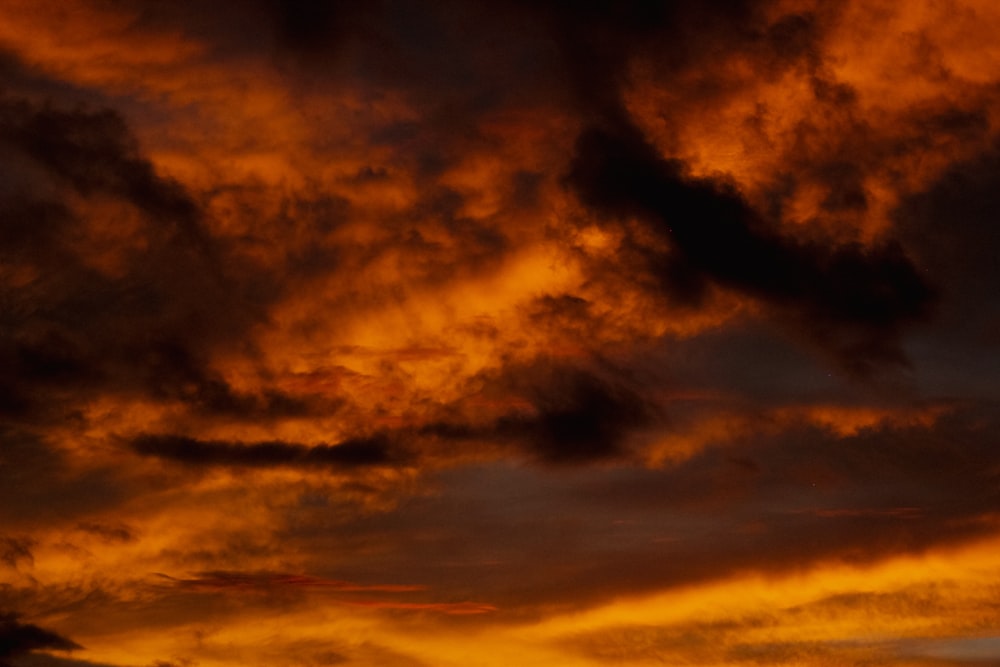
792 39
407 47
765 500
174 370
146 320
850 297
94 152
38 483
312 26
747 363
109 532
578 416
808 497
347 454
597 40
17 639
554 413
45 660
15 550
952 226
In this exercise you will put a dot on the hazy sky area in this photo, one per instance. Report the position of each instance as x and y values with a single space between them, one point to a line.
531 333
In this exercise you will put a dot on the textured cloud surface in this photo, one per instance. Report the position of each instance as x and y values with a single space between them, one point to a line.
501 333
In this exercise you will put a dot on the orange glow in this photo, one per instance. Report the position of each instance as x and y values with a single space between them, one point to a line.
499 334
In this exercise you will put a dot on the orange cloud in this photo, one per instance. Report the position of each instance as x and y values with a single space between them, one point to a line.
666 330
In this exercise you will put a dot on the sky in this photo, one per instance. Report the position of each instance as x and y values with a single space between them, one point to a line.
437 333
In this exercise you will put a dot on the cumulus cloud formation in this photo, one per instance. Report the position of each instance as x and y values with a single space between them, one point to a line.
434 333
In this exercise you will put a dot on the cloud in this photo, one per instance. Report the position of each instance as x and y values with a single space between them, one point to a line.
45 660
450 608
950 225
767 500
15 550
552 411
962 651
577 416
42 483
115 283
311 26
17 639
848 296
94 152
878 621
226 580
557 414
348 453
496 299
112 533
597 42
346 591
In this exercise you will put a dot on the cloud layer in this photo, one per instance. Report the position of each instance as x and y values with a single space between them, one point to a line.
408 333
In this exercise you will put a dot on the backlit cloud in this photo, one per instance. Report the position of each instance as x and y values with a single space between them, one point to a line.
438 333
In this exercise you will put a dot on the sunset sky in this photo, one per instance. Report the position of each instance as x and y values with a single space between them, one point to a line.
500 333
